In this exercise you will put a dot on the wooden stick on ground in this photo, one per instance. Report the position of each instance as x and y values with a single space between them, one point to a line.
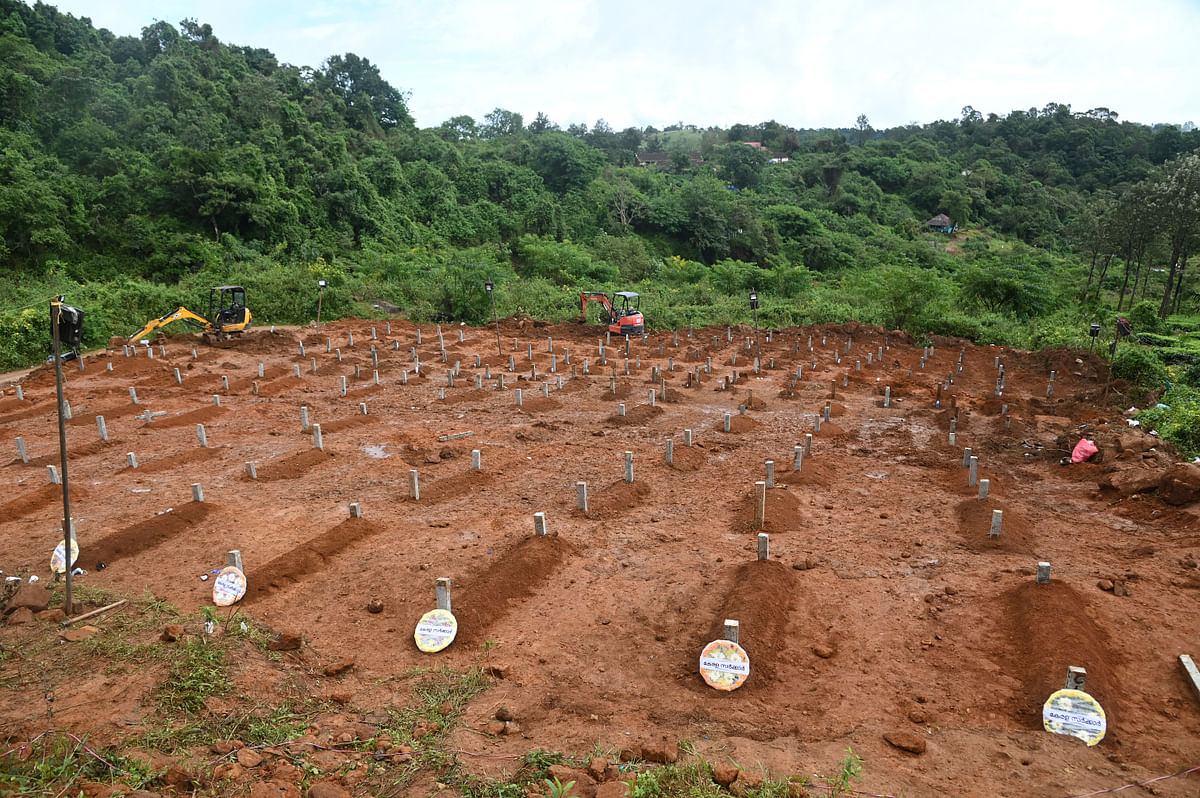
93 613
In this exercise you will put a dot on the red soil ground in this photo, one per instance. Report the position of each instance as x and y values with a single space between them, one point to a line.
884 607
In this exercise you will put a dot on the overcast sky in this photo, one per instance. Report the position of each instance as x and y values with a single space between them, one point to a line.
799 62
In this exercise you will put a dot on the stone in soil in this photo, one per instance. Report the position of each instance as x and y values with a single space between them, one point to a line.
327 789
285 641
52 616
78 633
338 668
248 757
20 617
171 632
724 773
30 595
663 750
906 741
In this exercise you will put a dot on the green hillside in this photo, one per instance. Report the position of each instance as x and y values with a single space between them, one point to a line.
138 171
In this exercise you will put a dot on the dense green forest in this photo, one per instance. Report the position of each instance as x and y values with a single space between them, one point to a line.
137 171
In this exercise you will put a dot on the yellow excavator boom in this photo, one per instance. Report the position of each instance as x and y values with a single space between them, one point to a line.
179 314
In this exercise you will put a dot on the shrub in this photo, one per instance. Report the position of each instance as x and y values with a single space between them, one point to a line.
1140 367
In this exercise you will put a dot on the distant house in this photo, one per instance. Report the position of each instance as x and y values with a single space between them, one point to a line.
941 224
772 157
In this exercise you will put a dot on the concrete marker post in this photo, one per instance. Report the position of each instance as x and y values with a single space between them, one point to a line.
216 400
133 395
652 397
316 433
887 396
201 435
131 460
52 475
304 418
355 510
670 451
414 485
973 472
545 390
629 467
731 630
808 444
687 437
197 492
581 499
442 587
1043 573
539 524
1076 678
984 485
178 377
764 546
251 471
102 428
797 458
997 522
770 464
313 361
342 385
224 383
760 504
967 457
362 407
21 391
520 397
476 460
728 422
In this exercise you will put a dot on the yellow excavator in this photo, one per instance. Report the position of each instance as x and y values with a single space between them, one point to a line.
227 315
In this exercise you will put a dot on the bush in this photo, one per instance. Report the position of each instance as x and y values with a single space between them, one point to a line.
1144 317
1140 367
1179 422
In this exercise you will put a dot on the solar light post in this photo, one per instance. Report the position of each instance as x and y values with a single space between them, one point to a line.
754 307
321 283
490 287
65 322
1094 331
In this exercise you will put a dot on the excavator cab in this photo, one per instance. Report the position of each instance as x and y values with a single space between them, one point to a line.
227 307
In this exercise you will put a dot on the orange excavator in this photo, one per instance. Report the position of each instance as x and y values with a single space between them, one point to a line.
623 318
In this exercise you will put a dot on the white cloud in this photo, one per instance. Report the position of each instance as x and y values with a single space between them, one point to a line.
801 62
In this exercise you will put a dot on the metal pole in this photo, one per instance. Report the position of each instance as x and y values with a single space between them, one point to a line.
496 316
320 296
55 310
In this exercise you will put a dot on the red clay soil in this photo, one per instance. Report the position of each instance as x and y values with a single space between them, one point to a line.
884 608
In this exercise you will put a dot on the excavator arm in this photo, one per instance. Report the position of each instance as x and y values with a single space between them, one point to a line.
179 314
595 296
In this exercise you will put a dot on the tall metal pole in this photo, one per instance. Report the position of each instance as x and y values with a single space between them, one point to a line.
320 296
490 287
68 537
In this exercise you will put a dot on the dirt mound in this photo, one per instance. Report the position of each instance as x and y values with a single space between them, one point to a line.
453 487
291 467
144 535
486 597
784 512
200 415
347 423
760 597
975 523
737 424
688 458
32 502
537 404
1046 628
168 462
635 416
617 499
308 559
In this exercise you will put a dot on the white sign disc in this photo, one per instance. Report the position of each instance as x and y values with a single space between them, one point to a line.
724 665
1075 714
229 586
58 560
435 630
